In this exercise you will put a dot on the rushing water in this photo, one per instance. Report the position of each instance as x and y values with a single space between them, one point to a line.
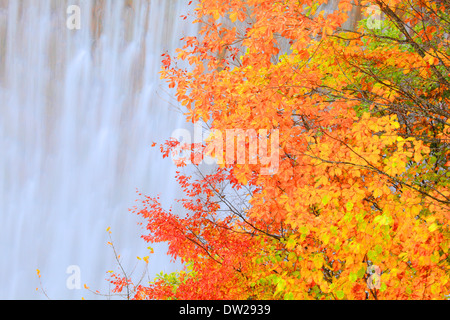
79 110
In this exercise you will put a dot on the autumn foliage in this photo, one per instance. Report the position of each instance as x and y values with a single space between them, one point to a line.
359 207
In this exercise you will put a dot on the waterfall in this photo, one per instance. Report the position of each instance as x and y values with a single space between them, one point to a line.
79 110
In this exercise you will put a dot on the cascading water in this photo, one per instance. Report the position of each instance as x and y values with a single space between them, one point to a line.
79 110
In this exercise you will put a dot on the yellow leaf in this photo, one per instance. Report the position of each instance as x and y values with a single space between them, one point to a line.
403 256
415 210
325 238
430 59
318 261
38 272
86 287
396 125
233 17
433 227
324 287
417 156
145 259
377 193
430 219
216 15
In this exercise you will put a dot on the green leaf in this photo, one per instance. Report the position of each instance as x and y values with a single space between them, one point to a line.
349 206
291 243
289 296
304 230
378 249
292 256
434 258
372 255
361 272
334 230
340 294
353 277
433 227
325 199
281 285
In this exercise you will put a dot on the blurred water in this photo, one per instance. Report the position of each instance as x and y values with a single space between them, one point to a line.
79 110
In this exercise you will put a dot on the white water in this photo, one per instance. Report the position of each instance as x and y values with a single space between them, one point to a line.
79 110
